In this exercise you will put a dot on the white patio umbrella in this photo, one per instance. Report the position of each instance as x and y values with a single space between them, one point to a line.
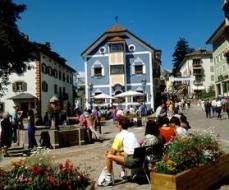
129 93
103 96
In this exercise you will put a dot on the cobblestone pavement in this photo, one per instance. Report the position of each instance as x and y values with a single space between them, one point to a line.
91 157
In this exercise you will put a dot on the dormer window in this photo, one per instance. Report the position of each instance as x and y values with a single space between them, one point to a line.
102 50
119 47
131 47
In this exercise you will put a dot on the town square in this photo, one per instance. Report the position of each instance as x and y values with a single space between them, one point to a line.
96 96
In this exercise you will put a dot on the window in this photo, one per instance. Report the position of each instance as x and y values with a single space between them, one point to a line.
138 69
116 48
44 86
211 69
64 90
102 50
19 86
212 78
59 75
32 105
131 47
138 66
60 91
2 107
67 78
98 71
55 89
43 68
117 69
63 77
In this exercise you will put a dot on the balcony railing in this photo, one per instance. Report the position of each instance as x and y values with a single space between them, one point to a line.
197 66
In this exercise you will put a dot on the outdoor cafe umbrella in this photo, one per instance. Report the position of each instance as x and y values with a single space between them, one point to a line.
129 93
103 96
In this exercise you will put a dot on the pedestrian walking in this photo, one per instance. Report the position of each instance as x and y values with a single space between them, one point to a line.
14 122
227 107
6 133
31 130
213 103
207 108
218 108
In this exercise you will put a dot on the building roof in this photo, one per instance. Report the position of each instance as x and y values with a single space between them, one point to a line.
217 33
116 28
45 48
115 31
115 39
23 96
200 53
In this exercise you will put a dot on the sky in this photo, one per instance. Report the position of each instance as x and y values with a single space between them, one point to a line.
73 25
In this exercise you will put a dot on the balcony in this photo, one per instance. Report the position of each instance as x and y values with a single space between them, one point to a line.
196 66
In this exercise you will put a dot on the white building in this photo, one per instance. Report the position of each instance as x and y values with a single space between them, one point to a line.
45 77
198 66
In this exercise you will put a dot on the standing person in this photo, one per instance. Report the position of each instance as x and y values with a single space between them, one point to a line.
227 107
14 121
207 108
218 108
213 107
31 130
96 114
6 133
113 113
161 113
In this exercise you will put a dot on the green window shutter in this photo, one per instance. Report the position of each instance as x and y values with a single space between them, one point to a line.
14 87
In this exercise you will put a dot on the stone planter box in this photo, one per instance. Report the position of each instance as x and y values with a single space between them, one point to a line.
59 138
202 177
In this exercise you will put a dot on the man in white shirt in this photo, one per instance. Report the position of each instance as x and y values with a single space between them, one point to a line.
213 108
218 108
122 150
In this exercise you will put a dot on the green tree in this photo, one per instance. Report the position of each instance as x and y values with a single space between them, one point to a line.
14 46
181 49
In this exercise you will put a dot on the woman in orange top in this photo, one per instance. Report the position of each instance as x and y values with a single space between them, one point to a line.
168 131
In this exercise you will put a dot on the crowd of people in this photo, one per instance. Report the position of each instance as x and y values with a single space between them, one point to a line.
161 128
215 107
10 124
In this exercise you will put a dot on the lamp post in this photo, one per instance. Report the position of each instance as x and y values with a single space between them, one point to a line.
90 85
144 87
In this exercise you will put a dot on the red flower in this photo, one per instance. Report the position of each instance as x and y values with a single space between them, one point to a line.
52 180
36 170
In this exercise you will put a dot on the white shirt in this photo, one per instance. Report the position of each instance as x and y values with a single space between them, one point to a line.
213 103
182 132
218 103
158 111
130 142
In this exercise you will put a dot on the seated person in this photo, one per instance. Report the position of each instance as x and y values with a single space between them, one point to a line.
122 149
152 135
180 131
168 131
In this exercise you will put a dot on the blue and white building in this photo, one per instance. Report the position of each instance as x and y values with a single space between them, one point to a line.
119 61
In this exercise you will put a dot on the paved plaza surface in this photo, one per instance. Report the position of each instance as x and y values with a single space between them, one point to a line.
91 157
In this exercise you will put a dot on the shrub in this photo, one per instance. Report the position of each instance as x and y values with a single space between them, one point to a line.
185 153
39 172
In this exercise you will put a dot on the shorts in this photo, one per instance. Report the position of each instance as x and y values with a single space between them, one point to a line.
131 162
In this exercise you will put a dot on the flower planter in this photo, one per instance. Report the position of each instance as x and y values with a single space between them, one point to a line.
202 177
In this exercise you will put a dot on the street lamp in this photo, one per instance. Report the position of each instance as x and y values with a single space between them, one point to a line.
90 85
144 87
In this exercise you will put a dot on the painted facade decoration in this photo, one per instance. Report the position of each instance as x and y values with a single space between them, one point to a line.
119 61
45 77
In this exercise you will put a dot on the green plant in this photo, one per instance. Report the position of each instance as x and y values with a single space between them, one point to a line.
39 172
185 153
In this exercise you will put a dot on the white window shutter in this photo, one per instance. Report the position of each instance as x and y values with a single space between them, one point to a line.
144 68
103 71
92 71
132 69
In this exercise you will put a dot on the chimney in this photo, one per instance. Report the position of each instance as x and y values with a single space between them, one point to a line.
47 44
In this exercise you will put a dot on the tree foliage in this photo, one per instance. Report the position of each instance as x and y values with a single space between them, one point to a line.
181 49
14 46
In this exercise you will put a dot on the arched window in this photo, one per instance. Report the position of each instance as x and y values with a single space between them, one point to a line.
44 86
138 66
43 68
97 69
